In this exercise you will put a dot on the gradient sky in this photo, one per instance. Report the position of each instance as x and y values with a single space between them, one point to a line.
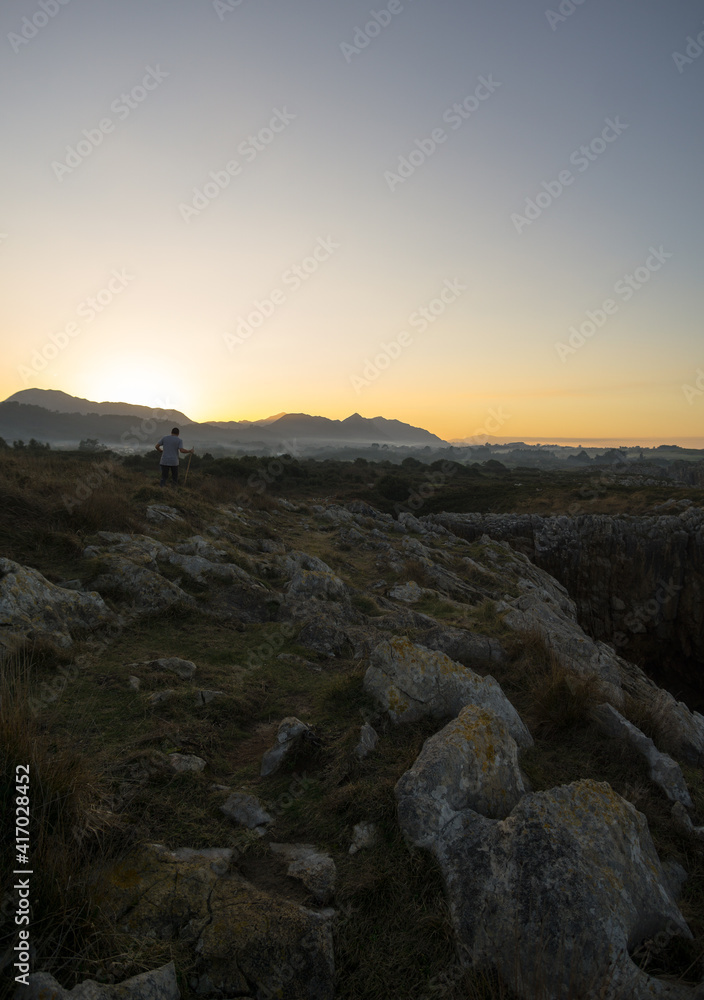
349 336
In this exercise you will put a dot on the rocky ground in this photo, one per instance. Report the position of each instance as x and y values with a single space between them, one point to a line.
310 750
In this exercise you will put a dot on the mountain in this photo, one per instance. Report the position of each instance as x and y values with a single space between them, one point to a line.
61 402
64 420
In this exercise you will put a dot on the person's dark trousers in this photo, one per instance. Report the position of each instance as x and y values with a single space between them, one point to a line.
165 474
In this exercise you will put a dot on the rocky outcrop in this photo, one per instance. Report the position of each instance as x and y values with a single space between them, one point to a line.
32 607
411 682
664 771
244 941
289 737
519 890
470 764
638 582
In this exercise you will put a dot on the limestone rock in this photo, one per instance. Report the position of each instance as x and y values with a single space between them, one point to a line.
463 646
185 669
664 771
245 942
316 870
186 762
363 835
291 732
409 593
31 606
368 739
158 513
470 764
157 985
157 697
248 811
412 682
317 583
146 590
559 892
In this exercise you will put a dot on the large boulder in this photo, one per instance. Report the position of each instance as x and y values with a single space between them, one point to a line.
412 682
245 941
470 764
558 893
32 607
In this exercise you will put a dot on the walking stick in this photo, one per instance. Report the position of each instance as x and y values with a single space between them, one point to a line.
185 478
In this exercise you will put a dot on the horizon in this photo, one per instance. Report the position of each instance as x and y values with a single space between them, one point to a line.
480 221
585 441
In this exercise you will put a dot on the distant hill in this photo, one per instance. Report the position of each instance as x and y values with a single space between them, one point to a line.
61 402
64 420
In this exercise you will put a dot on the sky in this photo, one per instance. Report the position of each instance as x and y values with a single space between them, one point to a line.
476 217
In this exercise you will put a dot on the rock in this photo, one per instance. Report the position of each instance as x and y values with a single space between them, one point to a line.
206 697
463 646
326 639
368 740
247 811
185 669
412 682
556 895
158 513
157 697
287 505
146 589
245 942
32 607
316 583
291 732
157 985
470 764
186 762
664 771
316 870
409 592
134 683
363 835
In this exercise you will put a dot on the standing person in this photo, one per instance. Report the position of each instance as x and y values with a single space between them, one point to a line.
169 447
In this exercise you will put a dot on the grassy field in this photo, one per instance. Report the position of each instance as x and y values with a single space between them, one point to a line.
98 752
